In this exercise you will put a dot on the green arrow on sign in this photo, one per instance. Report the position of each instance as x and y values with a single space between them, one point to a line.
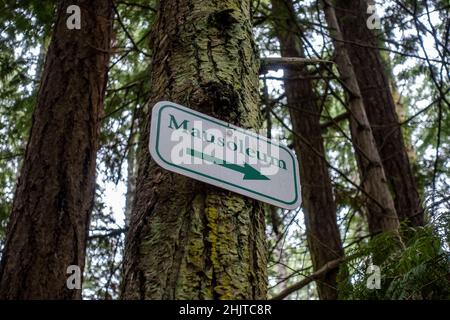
249 172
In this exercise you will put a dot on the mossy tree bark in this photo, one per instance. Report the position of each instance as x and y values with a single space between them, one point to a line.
189 240
362 47
48 227
382 215
318 204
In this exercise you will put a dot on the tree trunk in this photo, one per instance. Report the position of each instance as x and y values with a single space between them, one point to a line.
131 178
320 210
373 81
402 112
382 215
48 227
189 240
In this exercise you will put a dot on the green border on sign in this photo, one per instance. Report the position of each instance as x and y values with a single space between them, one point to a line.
213 178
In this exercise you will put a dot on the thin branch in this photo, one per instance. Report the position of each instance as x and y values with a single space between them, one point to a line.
275 63
135 46
137 5
329 266
335 120
329 165
299 78
110 234
11 156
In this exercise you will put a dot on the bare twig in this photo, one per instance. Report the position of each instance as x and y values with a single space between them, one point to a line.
331 265
335 120
288 62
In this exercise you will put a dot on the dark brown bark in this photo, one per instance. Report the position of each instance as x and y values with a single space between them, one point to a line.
131 178
48 227
189 240
382 215
373 80
319 207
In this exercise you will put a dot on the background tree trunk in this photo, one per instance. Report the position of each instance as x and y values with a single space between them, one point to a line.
380 204
189 240
361 44
48 226
131 177
318 204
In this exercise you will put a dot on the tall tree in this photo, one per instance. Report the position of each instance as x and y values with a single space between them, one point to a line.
188 240
371 73
48 226
382 215
318 204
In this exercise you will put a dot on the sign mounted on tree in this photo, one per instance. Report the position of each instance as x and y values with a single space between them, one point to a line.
203 148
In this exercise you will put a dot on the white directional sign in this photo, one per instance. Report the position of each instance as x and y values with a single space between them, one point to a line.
201 147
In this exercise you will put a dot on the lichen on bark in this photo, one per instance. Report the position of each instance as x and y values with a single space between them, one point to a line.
189 240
